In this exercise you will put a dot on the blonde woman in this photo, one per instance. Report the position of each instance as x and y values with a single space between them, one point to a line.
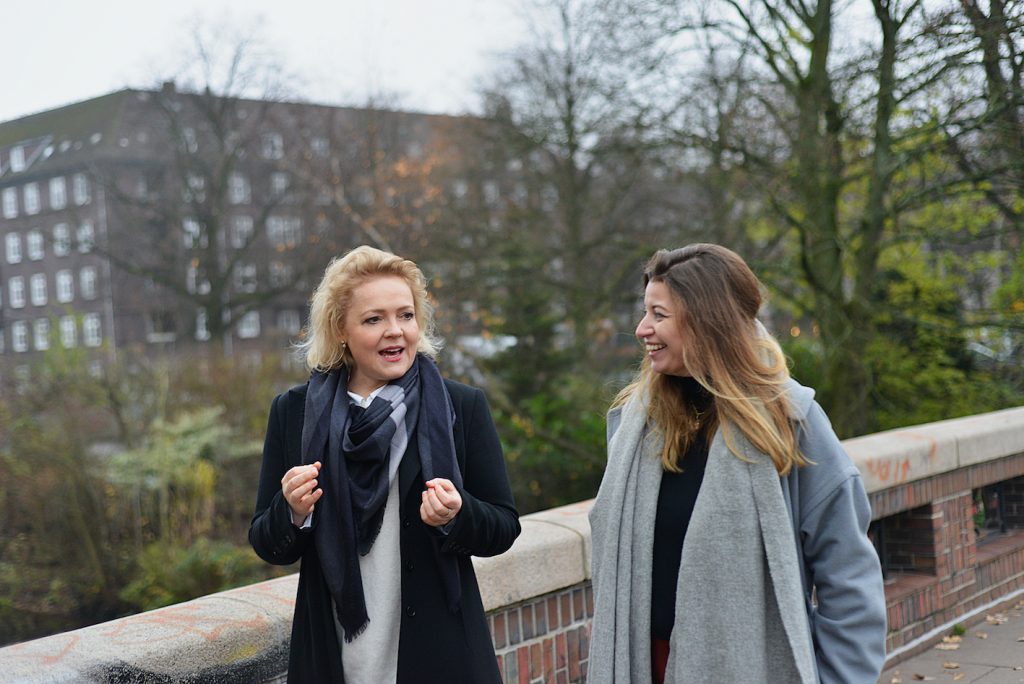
729 532
383 478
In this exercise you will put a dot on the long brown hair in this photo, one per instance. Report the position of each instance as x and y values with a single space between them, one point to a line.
728 353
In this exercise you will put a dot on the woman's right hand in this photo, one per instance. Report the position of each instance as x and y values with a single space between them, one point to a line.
300 491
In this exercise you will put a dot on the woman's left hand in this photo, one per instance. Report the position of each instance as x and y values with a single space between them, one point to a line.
441 502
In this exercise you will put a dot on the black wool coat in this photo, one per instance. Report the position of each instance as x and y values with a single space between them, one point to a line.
435 645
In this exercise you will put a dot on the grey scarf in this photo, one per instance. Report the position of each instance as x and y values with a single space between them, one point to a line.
740 612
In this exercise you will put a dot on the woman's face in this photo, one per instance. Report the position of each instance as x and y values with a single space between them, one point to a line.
661 330
381 332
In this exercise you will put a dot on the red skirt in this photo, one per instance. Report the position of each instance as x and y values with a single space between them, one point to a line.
659 659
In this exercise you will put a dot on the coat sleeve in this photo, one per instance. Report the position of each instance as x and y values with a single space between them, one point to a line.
488 522
271 533
848 622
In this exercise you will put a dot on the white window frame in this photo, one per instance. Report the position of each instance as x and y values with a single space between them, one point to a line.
19 336
30 196
37 289
65 286
12 248
202 329
87 286
242 229
58 193
34 246
41 333
289 321
279 182
68 332
10 202
249 326
92 332
245 277
272 146
239 189
86 237
61 240
80 190
17 158
16 292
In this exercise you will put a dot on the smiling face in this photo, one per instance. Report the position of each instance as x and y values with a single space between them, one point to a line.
661 330
381 332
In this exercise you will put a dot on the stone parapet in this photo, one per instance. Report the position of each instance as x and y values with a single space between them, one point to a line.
921 482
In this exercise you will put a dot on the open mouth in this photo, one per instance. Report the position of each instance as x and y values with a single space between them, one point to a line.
652 347
392 353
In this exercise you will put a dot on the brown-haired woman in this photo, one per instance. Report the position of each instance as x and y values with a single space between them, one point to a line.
384 478
729 532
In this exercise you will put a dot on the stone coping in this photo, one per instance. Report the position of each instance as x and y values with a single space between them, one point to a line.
241 635
895 457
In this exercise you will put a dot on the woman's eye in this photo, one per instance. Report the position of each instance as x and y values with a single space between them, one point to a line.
372 319
408 316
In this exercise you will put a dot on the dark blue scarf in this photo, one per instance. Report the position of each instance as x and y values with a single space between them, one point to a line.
354 446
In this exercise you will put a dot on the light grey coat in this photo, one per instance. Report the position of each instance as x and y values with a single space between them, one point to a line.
755 551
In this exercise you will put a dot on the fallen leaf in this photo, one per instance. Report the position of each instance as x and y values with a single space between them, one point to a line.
947 646
996 619
981 635
1020 638
959 676
949 665
896 679
953 639
1015 668
922 678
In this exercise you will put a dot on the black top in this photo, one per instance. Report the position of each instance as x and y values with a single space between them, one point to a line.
676 498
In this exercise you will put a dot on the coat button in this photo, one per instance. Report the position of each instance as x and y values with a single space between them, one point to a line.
410 611
405 522
409 566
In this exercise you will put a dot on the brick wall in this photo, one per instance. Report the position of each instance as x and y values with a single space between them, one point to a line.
545 640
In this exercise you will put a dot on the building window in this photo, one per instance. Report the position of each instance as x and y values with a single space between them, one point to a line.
80 189
17 158
202 330
37 288
194 235
34 245
280 273
195 280
320 146
10 202
272 146
31 195
19 336
13 245
41 328
245 278
91 335
278 183
188 138
195 188
289 321
284 232
249 325
241 231
86 237
87 282
16 292
61 240
161 327
68 332
58 193
239 191
65 287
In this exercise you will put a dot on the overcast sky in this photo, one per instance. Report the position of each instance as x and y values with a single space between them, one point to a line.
432 53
